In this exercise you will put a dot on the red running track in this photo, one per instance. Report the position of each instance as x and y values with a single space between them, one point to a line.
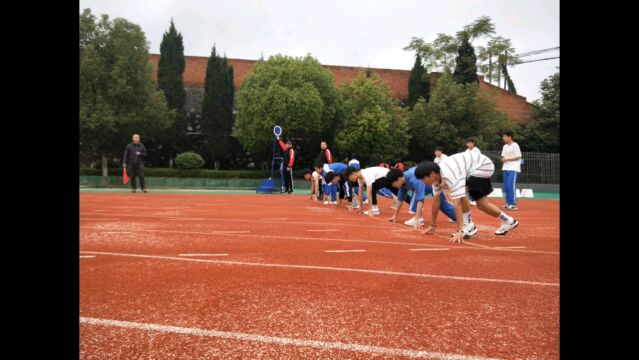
259 276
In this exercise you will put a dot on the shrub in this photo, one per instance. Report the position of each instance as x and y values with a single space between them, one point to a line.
189 160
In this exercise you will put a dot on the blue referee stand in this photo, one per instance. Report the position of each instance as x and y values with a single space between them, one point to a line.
268 185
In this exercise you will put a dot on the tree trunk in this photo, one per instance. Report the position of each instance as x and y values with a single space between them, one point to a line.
216 164
105 168
505 64
499 70
171 162
490 68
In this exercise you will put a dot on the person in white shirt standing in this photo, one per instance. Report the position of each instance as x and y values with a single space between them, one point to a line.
452 176
511 157
470 145
439 154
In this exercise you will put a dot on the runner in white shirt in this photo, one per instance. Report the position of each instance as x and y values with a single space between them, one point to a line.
315 179
452 176
439 154
368 176
511 157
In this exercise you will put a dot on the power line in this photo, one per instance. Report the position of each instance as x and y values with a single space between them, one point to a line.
550 58
537 52
523 62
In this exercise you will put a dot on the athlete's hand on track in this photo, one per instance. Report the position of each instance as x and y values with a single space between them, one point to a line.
457 236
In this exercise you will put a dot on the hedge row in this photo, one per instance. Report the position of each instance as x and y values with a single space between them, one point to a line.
194 173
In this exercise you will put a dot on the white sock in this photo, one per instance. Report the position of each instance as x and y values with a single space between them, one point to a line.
506 218
467 219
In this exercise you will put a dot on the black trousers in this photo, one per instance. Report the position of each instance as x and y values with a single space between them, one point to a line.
377 185
136 171
288 180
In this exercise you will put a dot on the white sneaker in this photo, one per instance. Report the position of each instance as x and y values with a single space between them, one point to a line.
470 230
452 221
326 202
505 227
332 203
354 203
411 222
375 211
473 203
365 202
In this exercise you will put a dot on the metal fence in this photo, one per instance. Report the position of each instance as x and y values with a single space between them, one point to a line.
537 168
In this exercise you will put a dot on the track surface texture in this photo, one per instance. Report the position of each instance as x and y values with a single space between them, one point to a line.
196 276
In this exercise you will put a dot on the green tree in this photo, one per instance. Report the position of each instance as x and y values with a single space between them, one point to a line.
217 108
465 63
418 84
295 93
117 91
510 86
543 133
170 81
501 50
171 68
374 126
440 54
454 113
481 27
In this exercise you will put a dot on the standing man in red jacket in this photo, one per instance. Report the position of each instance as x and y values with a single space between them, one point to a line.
287 164
325 156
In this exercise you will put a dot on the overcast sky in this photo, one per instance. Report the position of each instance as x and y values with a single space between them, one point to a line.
350 33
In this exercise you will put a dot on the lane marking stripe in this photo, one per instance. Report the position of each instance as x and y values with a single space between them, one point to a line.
278 340
330 239
203 255
313 267
343 251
